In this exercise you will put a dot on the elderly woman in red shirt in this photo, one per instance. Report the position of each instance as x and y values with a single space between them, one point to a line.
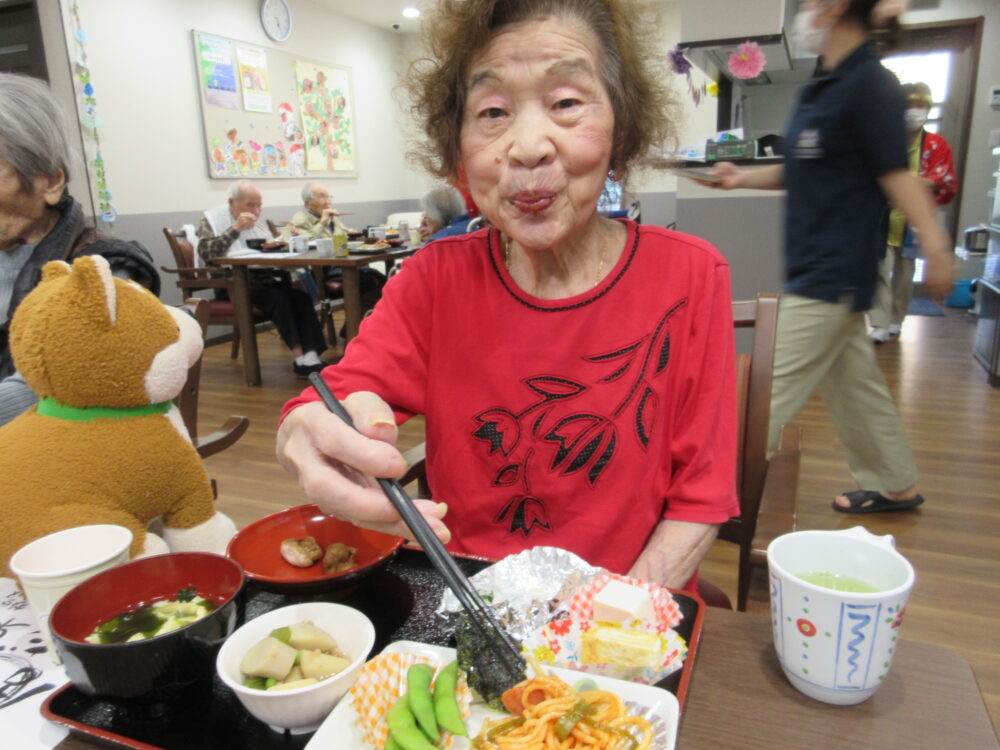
577 373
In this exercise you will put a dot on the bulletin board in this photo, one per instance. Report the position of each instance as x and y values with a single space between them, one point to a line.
269 114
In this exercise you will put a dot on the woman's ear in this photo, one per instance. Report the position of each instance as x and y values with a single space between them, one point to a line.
51 186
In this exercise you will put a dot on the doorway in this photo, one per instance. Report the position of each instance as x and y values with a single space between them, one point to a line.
945 56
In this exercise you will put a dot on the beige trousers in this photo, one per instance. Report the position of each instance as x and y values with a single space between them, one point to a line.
894 289
824 345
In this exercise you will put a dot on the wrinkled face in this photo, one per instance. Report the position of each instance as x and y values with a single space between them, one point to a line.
18 210
249 202
321 199
537 131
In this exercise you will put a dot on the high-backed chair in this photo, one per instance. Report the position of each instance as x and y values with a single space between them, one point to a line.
192 279
187 400
766 485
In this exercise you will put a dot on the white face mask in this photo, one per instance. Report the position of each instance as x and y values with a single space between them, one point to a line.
915 119
806 38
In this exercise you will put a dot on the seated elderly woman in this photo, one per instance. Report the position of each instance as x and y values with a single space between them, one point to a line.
445 213
39 220
577 373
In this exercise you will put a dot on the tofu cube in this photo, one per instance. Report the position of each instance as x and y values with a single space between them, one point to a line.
620 602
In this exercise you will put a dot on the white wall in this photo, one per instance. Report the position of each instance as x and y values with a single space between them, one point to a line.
143 71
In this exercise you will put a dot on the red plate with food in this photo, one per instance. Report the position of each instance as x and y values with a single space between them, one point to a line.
303 549
273 246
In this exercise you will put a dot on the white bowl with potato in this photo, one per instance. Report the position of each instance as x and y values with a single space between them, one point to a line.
293 679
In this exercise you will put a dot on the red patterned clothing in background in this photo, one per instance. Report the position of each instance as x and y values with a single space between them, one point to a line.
936 163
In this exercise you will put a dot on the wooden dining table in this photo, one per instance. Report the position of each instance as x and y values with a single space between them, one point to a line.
350 265
739 698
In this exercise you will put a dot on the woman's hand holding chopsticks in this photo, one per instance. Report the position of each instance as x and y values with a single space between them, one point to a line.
337 466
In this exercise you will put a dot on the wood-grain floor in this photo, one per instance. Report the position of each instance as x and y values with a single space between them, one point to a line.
953 420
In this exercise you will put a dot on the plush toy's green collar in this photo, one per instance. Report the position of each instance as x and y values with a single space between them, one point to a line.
48 407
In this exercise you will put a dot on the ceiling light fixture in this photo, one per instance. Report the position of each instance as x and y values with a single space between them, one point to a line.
411 12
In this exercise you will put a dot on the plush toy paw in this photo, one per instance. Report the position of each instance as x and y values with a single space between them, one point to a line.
154 546
211 536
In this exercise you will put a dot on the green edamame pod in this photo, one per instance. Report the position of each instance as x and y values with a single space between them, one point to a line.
446 709
390 744
418 691
403 727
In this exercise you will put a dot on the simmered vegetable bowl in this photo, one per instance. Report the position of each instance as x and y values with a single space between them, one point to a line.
154 619
292 657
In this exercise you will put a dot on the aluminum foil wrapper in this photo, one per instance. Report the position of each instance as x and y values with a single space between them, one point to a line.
529 589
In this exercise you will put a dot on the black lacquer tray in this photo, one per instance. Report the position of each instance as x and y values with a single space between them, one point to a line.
400 600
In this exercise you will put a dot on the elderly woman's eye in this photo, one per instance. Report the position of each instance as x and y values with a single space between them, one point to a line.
567 103
492 113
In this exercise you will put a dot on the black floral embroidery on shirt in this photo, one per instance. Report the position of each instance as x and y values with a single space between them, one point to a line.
570 441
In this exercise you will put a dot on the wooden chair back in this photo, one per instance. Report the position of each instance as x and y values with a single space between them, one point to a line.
191 279
757 485
187 400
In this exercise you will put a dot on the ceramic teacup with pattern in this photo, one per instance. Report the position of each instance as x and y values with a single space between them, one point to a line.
837 645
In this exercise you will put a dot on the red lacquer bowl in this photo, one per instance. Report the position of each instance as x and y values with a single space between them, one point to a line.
257 548
158 667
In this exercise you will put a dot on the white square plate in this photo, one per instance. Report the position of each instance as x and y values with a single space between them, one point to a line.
340 731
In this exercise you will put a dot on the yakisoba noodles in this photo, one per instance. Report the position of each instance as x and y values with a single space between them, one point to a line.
555 716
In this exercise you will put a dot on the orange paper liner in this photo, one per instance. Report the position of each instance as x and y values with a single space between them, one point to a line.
668 613
381 682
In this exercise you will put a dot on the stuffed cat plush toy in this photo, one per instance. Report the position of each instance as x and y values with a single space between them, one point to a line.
105 444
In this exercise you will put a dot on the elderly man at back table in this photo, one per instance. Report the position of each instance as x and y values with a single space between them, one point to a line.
225 230
318 218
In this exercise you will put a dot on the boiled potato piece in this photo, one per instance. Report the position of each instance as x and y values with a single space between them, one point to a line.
295 674
268 658
307 637
319 665
293 685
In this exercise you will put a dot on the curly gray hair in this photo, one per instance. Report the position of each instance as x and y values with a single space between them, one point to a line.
33 130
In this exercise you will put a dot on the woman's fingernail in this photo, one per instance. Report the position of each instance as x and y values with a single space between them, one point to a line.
442 509
447 536
381 421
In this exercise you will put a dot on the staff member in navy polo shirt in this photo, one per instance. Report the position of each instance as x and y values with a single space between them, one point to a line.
846 154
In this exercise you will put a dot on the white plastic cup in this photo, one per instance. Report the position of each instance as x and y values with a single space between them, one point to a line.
837 646
300 243
415 238
324 247
51 566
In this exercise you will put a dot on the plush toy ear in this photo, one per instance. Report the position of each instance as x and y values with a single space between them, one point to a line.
55 269
93 274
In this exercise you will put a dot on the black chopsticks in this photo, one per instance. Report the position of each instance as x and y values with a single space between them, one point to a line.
467 595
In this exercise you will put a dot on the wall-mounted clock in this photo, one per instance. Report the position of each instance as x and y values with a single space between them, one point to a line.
276 18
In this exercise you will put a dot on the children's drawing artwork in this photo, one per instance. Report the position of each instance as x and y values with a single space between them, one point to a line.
325 108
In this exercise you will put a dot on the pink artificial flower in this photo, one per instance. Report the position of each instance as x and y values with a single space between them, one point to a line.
747 61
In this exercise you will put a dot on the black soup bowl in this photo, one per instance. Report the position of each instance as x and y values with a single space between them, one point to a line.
158 668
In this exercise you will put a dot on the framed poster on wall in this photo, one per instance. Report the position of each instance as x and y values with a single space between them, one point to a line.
270 114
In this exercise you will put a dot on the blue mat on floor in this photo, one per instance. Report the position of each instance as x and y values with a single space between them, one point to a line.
924 306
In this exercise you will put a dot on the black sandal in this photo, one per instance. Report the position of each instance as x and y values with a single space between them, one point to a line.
869 501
